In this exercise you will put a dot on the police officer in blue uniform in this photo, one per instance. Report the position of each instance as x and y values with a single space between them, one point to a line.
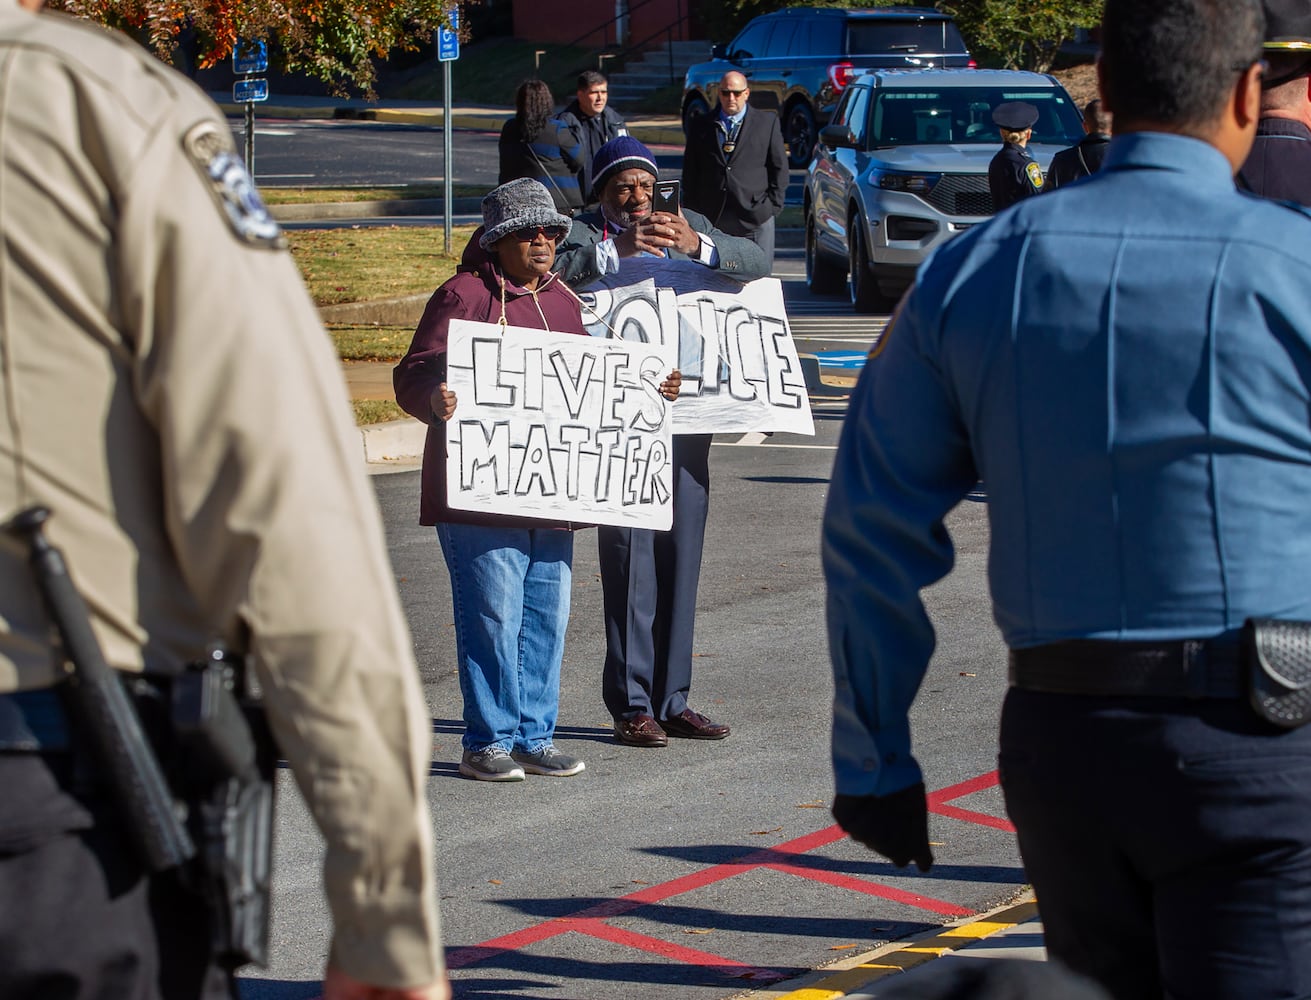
1128 369
1279 165
1013 173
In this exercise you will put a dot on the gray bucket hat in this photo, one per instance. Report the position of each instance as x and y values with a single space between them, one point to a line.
518 204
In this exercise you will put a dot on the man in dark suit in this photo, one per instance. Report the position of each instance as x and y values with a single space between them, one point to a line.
1084 157
735 169
1279 165
649 578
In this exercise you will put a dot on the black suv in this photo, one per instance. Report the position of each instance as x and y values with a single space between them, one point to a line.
799 59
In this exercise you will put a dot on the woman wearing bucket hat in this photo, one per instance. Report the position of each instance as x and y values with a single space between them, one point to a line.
510 576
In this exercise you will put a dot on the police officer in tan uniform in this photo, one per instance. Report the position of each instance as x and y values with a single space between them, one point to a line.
167 390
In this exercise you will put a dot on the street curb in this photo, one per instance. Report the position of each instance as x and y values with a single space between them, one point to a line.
393 441
404 310
863 971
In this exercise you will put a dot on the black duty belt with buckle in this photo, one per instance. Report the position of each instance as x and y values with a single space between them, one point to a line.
33 721
1185 668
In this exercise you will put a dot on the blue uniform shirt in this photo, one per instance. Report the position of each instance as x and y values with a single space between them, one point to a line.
1128 369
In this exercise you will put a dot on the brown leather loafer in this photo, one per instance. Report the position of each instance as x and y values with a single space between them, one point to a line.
640 731
692 725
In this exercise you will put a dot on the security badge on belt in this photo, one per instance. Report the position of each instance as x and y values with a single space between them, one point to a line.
233 188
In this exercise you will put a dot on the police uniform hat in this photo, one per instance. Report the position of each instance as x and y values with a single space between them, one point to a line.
1287 32
1014 116
1287 25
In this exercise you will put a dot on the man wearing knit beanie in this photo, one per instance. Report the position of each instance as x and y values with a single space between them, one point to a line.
649 578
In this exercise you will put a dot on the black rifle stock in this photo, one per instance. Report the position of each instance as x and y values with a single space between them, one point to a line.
102 713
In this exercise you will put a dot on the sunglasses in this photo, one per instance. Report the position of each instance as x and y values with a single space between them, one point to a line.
529 233
734 93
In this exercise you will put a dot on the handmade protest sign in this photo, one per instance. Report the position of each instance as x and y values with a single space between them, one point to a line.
735 349
558 426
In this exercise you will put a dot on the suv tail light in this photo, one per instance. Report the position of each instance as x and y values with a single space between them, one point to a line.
841 74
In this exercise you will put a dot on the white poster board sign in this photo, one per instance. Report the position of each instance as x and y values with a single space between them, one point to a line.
558 426
735 349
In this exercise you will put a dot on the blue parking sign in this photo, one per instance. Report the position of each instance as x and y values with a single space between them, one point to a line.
249 56
448 39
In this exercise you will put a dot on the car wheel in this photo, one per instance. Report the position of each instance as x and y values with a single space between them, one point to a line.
865 297
799 133
695 107
823 277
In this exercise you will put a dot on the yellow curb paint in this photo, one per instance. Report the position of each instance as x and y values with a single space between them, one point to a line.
913 954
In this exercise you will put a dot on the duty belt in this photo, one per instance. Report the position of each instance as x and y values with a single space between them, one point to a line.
1185 668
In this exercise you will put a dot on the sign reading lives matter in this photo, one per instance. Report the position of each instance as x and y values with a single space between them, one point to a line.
735 349
558 426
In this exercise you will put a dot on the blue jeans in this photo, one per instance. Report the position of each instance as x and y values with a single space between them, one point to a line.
510 589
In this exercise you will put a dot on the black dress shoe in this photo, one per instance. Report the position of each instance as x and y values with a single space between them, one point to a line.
694 726
640 731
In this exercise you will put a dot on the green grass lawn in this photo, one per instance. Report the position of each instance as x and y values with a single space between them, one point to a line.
359 264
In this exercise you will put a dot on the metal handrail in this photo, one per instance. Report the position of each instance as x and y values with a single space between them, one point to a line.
601 55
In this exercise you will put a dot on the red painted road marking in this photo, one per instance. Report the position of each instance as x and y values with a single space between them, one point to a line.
591 920
938 802
874 889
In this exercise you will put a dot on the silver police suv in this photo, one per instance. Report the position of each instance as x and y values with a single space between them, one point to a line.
903 167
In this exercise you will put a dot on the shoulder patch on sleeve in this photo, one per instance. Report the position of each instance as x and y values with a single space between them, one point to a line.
233 188
1035 174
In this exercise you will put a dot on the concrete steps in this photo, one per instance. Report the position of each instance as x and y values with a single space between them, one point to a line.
655 68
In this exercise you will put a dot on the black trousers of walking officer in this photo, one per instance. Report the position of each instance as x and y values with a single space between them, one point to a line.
1168 841
649 583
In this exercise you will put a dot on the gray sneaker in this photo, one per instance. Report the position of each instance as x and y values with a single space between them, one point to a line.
490 764
549 761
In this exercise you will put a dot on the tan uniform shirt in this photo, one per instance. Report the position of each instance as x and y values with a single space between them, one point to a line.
169 392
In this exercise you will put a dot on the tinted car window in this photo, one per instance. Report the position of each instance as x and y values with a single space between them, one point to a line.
857 113
840 113
909 37
826 35
964 115
751 42
792 38
779 41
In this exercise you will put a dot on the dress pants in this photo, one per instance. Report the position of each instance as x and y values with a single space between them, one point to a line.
1168 842
763 237
80 920
649 583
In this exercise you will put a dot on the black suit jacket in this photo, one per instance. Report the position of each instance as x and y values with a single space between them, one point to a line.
740 192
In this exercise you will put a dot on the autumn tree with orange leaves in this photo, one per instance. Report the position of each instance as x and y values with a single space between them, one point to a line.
331 40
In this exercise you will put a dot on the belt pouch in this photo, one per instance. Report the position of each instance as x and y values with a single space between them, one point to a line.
1278 655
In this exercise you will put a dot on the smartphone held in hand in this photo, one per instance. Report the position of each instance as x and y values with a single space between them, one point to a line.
666 196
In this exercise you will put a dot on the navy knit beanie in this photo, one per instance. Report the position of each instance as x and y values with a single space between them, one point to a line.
622 153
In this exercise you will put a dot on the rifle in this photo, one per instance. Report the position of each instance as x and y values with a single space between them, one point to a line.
222 753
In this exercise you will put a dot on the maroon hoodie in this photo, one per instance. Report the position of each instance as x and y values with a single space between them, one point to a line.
473 293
